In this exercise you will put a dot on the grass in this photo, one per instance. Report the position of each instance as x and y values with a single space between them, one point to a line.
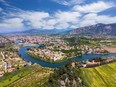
18 77
9 78
34 79
102 76
0 57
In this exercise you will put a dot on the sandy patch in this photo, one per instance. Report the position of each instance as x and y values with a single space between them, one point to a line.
110 49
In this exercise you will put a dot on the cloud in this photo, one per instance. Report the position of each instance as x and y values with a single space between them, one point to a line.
12 24
43 20
1 9
69 2
64 19
93 18
34 18
59 20
18 19
67 16
94 7
5 2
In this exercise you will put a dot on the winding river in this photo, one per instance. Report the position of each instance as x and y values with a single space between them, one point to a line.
84 57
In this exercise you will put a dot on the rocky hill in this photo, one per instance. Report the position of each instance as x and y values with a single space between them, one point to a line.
98 29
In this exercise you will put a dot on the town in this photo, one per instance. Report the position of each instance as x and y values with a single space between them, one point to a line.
59 49
54 49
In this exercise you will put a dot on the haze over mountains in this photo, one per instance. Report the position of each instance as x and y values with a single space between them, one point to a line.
98 29
43 31
40 31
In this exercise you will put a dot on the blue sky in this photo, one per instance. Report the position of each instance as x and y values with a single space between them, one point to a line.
19 15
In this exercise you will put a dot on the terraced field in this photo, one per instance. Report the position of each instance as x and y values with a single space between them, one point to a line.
102 76
35 79
30 76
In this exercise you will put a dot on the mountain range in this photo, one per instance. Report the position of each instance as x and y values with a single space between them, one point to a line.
39 32
98 29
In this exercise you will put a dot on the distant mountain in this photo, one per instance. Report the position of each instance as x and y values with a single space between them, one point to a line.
45 31
98 29
40 31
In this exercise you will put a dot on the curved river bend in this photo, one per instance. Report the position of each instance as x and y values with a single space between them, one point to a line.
26 57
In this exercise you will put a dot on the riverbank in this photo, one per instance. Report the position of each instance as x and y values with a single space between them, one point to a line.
84 57
46 60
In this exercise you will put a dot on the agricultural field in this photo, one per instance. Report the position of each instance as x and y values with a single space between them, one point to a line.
26 77
102 76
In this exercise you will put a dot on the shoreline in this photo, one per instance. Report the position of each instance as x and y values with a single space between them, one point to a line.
49 61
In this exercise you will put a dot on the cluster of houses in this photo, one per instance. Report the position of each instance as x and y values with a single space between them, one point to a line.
88 49
94 63
10 61
53 50
48 52
3 40
27 39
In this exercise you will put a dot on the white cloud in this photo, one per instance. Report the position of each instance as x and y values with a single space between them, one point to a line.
19 19
1 9
12 24
92 18
59 20
33 15
65 19
49 24
67 16
62 26
106 19
5 2
43 20
69 2
94 7
35 18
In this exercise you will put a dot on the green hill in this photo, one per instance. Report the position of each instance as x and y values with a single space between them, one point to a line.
102 76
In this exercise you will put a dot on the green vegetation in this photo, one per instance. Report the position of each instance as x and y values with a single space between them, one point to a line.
41 58
102 76
33 79
69 53
69 74
45 59
100 59
9 78
26 75
0 57
72 41
80 41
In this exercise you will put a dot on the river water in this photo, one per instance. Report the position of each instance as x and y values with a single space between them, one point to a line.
84 57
